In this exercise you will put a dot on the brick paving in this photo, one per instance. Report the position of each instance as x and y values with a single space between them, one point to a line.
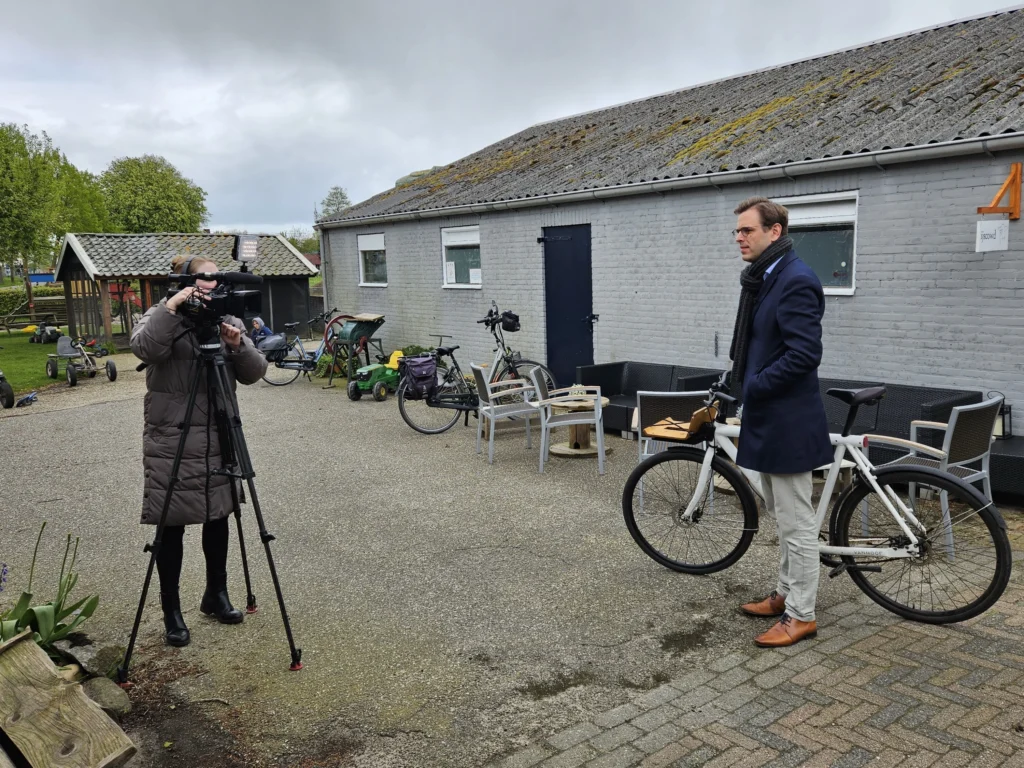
892 693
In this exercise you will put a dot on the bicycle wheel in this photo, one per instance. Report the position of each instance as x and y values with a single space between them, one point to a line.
425 418
522 371
965 561
279 377
721 527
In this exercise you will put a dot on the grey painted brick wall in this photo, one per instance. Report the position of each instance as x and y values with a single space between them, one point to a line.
927 310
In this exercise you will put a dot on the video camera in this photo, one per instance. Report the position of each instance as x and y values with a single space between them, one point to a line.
208 312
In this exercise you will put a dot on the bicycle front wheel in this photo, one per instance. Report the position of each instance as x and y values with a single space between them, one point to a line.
965 561
423 417
720 528
278 376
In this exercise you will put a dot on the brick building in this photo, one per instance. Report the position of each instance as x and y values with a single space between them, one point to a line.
883 153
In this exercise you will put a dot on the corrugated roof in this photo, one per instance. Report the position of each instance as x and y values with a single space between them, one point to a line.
959 81
150 255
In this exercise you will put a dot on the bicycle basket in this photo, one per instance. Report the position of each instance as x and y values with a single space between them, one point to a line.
509 322
421 374
274 348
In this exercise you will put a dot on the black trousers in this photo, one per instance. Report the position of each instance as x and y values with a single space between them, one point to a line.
215 548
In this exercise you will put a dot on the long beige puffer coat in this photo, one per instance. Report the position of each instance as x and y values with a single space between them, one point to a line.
198 497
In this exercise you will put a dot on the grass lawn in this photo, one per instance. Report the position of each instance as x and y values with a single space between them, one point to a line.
24 364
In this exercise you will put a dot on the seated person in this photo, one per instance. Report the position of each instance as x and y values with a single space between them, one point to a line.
259 330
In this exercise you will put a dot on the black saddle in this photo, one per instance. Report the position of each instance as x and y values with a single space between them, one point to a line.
447 350
851 397
290 326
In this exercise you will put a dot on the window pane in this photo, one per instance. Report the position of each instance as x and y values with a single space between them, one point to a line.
828 250
375 267
465 258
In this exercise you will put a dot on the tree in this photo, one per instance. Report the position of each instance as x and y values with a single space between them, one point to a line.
29 196
304 240
83 207
335 202
148 194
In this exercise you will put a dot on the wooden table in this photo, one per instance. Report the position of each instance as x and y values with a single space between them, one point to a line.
579 445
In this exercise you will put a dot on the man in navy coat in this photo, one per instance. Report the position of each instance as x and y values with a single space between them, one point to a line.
784 433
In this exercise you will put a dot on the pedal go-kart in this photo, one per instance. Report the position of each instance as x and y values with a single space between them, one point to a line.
379 378
6 391
79 357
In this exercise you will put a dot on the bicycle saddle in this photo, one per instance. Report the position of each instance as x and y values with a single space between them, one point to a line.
447 350
869 396
290 326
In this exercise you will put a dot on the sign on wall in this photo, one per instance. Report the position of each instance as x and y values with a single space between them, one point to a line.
992 236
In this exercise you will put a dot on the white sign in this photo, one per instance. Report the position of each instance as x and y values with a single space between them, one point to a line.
449 272
992 236
475 276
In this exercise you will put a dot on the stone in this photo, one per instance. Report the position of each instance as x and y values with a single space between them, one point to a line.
108 695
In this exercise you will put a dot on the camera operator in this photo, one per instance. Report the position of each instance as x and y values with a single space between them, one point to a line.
164 341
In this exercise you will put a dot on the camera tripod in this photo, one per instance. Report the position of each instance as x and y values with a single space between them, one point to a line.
237 465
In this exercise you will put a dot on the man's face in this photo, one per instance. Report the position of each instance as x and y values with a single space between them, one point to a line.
752 237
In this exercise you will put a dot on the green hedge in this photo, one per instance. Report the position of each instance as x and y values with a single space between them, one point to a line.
12 298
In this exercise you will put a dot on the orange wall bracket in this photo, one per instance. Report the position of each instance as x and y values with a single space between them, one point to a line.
1012 186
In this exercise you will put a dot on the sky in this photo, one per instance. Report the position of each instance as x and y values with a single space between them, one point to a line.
266 104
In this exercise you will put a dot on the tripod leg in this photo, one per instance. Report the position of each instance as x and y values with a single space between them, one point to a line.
241 453
250 599
154 548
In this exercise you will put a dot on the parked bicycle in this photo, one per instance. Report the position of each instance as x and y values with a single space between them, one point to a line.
919 542
288 359
454 394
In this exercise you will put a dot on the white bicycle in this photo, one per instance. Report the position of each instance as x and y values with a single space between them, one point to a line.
919 542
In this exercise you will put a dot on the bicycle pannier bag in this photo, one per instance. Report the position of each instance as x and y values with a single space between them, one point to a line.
509 322
421 373
274 348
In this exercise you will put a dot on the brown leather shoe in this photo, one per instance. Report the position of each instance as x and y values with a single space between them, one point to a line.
786 632
773 605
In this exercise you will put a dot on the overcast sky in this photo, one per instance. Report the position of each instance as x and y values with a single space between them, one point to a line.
268 103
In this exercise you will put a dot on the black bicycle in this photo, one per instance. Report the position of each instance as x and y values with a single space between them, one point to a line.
455 393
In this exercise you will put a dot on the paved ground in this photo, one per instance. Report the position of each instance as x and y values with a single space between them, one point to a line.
454 613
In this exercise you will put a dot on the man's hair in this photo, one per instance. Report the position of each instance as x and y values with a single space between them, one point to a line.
770 213
178 263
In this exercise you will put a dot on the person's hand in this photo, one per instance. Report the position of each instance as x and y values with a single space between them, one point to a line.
232 336
182 296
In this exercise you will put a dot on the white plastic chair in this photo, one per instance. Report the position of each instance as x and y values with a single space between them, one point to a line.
490 395
548 419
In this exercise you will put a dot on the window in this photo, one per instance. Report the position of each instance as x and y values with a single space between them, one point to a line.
460 248
823 229
373 263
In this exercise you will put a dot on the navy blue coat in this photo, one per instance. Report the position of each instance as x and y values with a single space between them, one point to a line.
784 429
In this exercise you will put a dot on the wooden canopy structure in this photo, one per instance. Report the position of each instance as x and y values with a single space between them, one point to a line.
99 272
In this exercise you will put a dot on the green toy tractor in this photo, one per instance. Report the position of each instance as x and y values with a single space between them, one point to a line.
378 379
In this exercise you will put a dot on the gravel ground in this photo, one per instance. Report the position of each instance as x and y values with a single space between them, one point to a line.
448 610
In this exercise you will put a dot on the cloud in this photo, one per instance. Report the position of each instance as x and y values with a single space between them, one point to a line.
266 104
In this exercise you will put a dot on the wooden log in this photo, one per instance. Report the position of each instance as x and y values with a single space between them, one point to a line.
51 720
5 762
108 328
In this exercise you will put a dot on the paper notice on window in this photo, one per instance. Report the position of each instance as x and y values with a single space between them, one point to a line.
449 272
992 236
475 276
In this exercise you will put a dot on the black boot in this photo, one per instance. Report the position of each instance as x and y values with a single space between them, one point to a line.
215 600
175 631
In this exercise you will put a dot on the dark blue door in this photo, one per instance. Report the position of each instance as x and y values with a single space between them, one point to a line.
569 300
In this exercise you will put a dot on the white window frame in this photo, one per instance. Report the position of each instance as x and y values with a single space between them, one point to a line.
459 236
828 208
370 246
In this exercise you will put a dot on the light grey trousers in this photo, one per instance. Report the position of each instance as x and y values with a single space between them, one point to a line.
788 497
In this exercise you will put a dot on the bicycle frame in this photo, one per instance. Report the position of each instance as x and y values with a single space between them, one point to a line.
852 445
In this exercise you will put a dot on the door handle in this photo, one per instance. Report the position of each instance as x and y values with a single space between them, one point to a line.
591 319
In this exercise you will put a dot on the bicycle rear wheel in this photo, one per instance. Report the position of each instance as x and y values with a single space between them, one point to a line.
279 377
721 527
426 418
965 561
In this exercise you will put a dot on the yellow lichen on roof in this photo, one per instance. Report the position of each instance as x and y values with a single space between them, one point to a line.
718 137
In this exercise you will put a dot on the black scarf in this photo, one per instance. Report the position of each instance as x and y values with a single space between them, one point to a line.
751 280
